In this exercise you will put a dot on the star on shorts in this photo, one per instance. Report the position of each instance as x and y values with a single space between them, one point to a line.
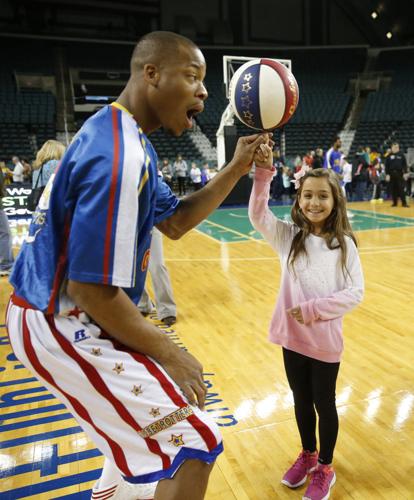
177 440
119 367
136 390
96 351
155 412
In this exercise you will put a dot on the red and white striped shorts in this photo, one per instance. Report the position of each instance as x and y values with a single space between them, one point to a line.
124 401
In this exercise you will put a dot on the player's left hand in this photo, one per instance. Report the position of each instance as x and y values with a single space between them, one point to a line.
296 313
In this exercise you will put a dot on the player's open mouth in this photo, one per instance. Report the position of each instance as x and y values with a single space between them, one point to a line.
192 112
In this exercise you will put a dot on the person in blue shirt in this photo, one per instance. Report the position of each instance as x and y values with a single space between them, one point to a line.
73 318
333 156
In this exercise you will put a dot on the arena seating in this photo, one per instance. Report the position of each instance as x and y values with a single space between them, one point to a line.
389 114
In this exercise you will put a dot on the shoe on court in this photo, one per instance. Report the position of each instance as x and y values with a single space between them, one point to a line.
5 272
322 480
124 491
169 320
297 474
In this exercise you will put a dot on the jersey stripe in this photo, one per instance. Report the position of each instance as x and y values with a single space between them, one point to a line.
60 269
96 380
111 203
77 405
126 237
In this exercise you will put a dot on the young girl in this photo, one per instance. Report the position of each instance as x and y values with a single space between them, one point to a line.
321 281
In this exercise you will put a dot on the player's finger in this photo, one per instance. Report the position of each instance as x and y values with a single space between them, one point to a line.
248 139
189 393
200 391
260 139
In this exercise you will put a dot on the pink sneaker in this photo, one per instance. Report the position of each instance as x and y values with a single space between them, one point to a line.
322 480
297 474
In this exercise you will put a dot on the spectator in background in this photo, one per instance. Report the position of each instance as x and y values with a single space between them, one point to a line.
47 159
333 155
374 172
318 158
367 155
181 171
6 253
7 173
347 177
195 175
18 171
167 172
307 160
161 284
205 174
359 174
277 184
396 172
27 170
287 176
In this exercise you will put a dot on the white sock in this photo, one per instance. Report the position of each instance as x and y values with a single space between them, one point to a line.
110 475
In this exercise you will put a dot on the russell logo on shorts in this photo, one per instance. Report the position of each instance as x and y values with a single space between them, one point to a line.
80 335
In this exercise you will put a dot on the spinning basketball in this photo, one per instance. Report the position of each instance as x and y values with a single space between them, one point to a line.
264 94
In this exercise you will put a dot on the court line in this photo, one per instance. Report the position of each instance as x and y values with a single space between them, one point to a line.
207 235
362 213
247 259
229 230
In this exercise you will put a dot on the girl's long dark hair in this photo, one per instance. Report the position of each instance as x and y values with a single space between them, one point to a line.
336 226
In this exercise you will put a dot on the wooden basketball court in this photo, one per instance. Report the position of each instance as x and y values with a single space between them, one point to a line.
226 280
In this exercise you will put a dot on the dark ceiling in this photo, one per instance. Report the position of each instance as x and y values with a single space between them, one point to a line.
126 20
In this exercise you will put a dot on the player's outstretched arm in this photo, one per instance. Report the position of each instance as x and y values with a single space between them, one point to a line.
194 208
116 314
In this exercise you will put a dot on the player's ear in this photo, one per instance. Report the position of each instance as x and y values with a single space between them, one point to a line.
151 74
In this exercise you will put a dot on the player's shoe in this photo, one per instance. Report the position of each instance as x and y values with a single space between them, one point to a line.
322 480
124 491
304 465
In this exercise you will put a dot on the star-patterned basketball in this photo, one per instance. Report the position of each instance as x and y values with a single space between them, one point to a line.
264 94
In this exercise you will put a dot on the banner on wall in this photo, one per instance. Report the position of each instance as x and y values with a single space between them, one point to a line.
15 201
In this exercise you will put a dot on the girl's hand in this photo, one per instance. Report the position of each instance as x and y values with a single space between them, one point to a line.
296 313
263 157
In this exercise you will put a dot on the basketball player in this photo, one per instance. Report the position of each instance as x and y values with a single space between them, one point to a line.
72 318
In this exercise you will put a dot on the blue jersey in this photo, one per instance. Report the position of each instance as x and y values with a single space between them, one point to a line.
95 217
333 160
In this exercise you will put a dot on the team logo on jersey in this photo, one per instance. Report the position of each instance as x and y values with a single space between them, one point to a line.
145 260
81 335
45 198
166 422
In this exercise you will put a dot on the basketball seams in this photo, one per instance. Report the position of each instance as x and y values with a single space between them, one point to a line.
290 86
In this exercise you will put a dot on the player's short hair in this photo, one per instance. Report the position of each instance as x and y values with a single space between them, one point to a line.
158 46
